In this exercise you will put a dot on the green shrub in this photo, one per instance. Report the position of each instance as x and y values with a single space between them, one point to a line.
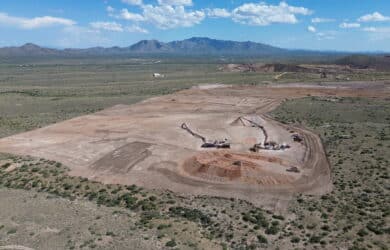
6 165
362 232
171 243
272 230
262 239
109 233
163 226
315 239
190 214
11 231
278 217
295 239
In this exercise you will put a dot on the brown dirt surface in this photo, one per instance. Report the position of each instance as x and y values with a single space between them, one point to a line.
143 144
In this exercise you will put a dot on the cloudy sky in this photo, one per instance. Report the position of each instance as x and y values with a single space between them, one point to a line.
353 25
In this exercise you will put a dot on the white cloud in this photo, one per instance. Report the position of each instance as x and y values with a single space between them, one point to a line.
262 14
168 17
322 20
378 33
374 17
349 25
132 2
175 2
136 29
377 29
117 27
370 29
162 16
110 9
223 13
126 15
109 26
169 14
311 29
34 23
327 35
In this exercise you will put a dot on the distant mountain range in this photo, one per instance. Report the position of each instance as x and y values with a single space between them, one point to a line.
196 46
200 45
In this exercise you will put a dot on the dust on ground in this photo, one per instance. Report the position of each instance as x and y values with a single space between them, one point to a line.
143 144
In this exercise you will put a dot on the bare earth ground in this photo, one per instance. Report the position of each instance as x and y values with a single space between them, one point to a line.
143 144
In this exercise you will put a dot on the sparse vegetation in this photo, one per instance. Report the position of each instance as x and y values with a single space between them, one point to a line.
355 132
351 129
171 243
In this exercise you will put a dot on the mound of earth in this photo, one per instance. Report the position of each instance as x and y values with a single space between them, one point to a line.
224 166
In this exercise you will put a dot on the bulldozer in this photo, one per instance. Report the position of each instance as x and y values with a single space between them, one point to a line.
207 143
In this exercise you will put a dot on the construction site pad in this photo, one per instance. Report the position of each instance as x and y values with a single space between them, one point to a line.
144 144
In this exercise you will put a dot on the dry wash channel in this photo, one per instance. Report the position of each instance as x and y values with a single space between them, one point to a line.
245 153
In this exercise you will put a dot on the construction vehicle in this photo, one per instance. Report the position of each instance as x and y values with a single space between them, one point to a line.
271 145
297 137
265 145
293 169
206 143
254 124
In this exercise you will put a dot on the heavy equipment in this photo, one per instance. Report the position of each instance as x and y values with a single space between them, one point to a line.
265 145
207 143
293 169
297 137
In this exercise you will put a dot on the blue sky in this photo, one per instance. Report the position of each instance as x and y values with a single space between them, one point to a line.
350 25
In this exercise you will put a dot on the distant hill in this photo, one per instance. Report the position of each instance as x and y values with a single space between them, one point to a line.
28 49
193 46
378 62
150 46
196 46
205 46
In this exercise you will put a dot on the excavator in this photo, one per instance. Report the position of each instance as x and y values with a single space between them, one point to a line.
207 144
267 145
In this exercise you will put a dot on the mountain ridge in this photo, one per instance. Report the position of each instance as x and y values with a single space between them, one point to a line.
195 46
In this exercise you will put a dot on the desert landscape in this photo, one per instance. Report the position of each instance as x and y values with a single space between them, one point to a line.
143 144
195 125
192 165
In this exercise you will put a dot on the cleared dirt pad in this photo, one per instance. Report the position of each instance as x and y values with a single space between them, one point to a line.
123 159
143 144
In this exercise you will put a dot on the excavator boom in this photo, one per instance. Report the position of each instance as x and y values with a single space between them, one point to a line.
260 127
207 144
185 127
